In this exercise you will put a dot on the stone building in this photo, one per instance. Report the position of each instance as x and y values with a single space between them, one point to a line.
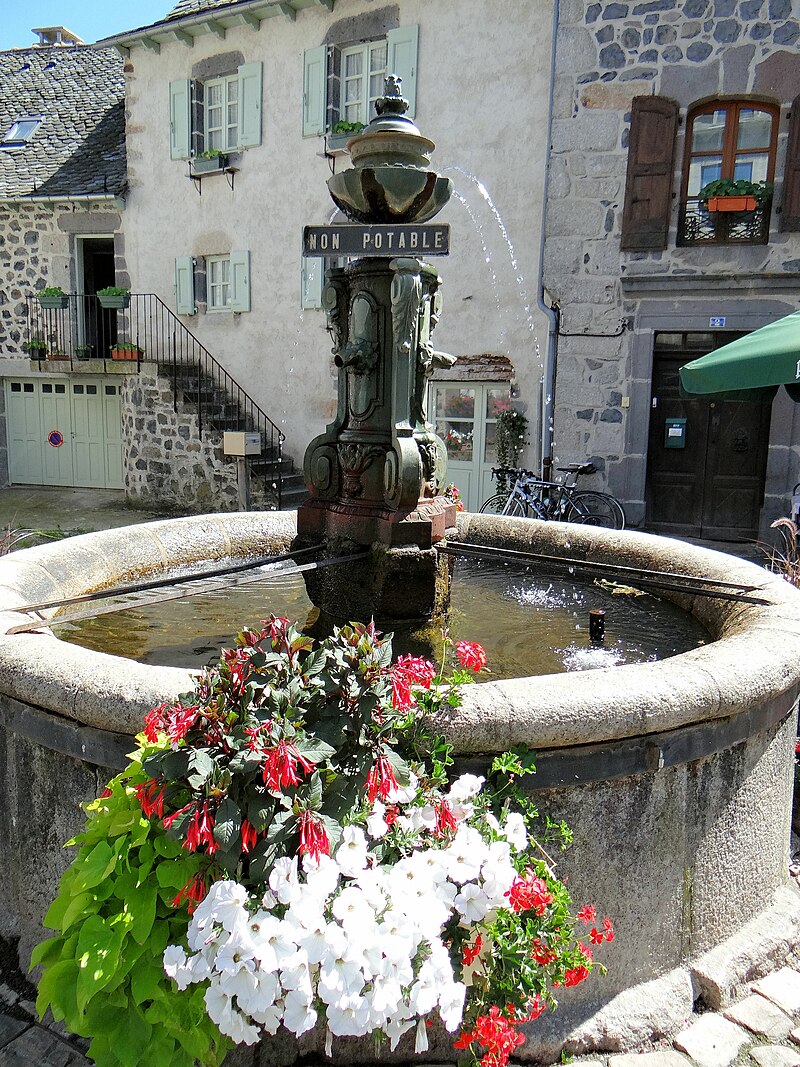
653 99
62 179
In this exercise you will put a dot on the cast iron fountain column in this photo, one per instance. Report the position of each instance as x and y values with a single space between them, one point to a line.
375 475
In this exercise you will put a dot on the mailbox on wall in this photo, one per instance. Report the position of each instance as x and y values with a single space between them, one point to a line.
675 433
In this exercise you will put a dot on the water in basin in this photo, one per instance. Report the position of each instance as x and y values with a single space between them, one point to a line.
529 623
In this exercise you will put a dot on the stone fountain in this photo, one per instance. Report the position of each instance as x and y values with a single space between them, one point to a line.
375 475
676 776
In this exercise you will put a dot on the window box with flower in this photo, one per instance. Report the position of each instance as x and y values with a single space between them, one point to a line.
114 297
53 298
126 350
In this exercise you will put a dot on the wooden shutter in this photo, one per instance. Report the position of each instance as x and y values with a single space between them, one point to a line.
790 217
250 95
315 84
180 118
184 285
648 185
240 281
403 45
311 278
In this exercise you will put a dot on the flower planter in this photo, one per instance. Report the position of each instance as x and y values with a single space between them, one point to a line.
126 353
732 203
58 355
117 301
202 165
83 353
53 303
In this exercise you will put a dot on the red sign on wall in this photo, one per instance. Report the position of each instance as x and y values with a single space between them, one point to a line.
56 438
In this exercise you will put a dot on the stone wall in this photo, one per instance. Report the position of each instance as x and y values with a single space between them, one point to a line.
608 53
166 460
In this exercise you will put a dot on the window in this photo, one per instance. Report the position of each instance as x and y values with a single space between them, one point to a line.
223 112
218 282
20 132
341 82
731 139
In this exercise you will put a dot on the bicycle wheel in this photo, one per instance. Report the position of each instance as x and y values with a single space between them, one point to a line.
502 504
596 509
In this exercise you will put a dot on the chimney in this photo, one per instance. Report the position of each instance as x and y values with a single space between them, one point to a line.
54 36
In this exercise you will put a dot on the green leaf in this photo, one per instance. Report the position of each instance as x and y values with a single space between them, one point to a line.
201 768
315 750
148 981
57 991
141 905
79 906
47 951
401 769
96 866
228 823
97 957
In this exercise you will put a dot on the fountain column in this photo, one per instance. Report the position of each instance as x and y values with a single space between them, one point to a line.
376 474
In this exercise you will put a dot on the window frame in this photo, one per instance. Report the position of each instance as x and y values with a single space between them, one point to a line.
733 107
211 262
224 82
11 140
366 100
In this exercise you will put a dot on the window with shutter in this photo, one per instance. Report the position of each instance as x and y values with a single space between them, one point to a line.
648 184
184 285
226 110
790 218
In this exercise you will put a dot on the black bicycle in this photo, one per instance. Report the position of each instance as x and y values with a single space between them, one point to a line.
529 496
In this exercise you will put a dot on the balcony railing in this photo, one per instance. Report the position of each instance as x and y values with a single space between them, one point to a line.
696 225
148 330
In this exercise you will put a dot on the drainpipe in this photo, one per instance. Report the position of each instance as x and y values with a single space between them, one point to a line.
548 382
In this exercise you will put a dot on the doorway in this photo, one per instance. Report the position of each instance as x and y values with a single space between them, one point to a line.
707 455
97 326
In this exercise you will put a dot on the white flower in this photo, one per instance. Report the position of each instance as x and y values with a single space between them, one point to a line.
465 855
322 876
234 955
174 960
283 880
349 1017
257 994
451 1005
421 1041
397 1025
298 1013
224 903
404 794
466 787
296 974
372 882
351 855
230 1021
270 939
377 825
269 1017
471 902
515 832
398 938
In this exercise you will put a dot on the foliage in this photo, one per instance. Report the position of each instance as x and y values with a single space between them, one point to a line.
299 805
762 191
36 344
785 560
126 346
212 153
347 127
510 440
51 290
113 290
452 493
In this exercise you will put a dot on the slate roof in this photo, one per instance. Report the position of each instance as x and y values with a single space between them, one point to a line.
194 7
79 147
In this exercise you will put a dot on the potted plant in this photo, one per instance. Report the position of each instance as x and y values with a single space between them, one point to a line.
36 347
114 296
126 350
209 161
52 298
729 194
57 353
84 351
340 134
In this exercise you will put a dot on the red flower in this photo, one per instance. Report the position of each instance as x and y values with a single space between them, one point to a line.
201 831
391 815
151 798
420 671
587 914
380 780
106 794
313 837
193 891
401 690
445 820
239 665
171 719
276 628
529 894
542 954
535 1009
595 936
466 1039
471 655
471 952
280 766
249 836
608 929
575 976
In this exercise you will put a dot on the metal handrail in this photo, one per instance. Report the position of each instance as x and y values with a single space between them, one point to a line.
147 329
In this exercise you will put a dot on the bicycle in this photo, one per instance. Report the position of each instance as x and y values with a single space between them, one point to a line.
561 501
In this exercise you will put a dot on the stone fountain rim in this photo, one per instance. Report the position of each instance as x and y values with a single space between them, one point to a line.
751 663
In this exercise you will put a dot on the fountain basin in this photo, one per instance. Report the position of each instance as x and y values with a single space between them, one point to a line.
389 193
675 776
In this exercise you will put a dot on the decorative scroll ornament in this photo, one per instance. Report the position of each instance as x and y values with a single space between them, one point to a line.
354 458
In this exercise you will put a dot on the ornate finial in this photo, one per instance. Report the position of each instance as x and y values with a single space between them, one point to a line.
392 102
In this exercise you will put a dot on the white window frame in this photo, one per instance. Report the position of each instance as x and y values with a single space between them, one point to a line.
365 99
227 131
12 139
219 291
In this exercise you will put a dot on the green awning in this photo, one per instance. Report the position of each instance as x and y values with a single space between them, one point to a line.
769 356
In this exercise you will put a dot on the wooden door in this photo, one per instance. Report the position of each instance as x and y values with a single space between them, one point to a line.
714 486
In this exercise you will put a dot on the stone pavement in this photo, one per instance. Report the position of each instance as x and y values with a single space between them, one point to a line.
761 1029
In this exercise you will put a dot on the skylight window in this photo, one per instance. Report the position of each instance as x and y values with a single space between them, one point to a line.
20 132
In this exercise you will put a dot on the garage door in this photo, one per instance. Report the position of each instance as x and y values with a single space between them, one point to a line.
64 432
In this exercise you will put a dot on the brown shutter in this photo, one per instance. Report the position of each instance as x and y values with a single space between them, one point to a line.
651 154
790 217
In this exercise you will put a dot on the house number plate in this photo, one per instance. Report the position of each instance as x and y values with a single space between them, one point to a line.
376 240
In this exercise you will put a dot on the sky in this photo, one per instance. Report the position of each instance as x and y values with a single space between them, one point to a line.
89 19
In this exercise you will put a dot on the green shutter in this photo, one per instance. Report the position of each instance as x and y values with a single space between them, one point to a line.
180 118
315 83
402 60
240 281
312 275
184 285
250 93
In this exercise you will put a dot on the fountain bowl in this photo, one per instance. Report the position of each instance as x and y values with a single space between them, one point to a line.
675 776
389 193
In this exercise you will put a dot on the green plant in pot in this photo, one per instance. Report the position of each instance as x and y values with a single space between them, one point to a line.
84 351
342 131
730 194
209 161
114 296
52 298
36 347
126 350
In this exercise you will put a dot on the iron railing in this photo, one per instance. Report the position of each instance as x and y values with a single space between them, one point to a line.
696 225
148 330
